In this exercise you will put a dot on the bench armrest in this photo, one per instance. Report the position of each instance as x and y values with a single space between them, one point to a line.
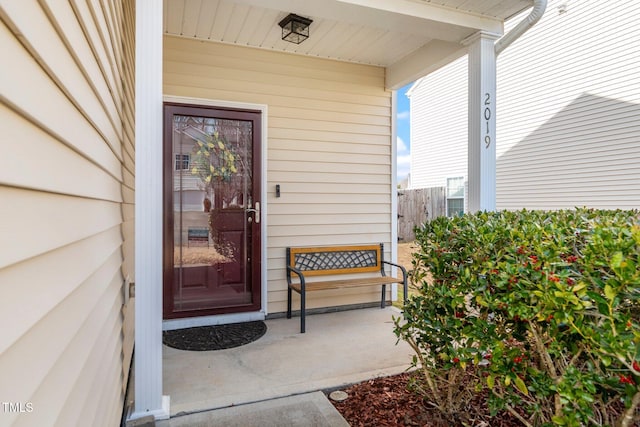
405 278
298 273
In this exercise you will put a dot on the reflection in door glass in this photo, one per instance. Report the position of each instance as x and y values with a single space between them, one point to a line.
212 187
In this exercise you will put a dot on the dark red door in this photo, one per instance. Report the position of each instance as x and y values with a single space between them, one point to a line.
211 211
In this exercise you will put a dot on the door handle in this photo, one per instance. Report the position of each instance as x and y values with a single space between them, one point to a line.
256 212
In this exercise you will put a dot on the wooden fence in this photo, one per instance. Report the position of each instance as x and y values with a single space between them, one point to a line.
416 206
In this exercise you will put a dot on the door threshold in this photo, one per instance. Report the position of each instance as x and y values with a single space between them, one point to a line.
220 319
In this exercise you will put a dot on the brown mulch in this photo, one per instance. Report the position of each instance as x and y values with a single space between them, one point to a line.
383 402
386 402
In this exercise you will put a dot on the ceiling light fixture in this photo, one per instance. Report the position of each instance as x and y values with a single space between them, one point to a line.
295 29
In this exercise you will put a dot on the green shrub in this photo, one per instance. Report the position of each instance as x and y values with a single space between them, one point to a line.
538 311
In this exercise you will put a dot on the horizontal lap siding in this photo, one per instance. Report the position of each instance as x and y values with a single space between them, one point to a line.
329 146
67 186
568 110
439 126
126 19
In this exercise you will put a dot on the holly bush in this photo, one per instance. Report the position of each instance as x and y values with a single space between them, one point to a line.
535 313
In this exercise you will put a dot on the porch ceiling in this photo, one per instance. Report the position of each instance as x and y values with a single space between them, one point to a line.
409 37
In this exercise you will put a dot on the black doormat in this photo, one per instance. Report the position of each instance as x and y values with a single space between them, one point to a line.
218 337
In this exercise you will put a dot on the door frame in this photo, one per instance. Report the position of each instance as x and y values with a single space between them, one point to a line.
261 314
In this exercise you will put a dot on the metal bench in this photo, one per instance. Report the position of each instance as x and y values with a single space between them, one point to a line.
337 260
197 235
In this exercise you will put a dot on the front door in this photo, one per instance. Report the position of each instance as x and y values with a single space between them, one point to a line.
211 211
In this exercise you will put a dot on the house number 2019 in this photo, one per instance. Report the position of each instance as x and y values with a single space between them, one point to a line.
487 116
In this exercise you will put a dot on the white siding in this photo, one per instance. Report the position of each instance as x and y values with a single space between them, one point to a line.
568 110
329 146
438 108
568 102
66 186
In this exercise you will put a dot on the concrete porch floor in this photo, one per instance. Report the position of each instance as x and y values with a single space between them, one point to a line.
338 348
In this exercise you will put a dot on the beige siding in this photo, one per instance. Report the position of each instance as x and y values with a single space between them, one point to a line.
329 146
126 19
66 186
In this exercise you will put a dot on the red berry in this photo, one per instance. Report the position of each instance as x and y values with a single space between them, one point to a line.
456 360
636 366
626 379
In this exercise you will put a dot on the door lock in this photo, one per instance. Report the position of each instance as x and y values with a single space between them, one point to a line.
256 213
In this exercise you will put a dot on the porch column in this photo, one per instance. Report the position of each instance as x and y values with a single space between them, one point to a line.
482 122
148 213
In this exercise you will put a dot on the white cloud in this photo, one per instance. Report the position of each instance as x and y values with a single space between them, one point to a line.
401 146
403 167
403 115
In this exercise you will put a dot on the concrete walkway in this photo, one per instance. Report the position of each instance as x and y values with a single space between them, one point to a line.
338 349
303 410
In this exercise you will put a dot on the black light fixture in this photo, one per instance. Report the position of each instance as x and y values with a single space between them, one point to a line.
295 29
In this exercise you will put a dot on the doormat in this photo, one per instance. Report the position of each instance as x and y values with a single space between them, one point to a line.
218 337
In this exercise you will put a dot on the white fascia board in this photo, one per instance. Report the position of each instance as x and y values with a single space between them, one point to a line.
427 59
414 87
433 12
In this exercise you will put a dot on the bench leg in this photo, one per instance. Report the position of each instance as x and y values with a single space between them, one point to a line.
384 291
302 311
406 291
288 302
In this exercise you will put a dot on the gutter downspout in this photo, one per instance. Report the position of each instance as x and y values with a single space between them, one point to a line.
539 6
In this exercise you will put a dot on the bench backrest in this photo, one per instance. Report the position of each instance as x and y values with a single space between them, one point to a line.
198 233
324 260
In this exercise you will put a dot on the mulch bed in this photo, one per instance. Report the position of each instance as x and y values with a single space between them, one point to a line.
383 402
386 402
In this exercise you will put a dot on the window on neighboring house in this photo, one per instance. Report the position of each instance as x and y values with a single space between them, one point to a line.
455 196
182 162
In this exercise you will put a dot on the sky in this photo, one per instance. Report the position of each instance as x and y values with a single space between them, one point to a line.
404 143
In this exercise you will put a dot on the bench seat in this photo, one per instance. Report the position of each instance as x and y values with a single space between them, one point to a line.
346 283
357 262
